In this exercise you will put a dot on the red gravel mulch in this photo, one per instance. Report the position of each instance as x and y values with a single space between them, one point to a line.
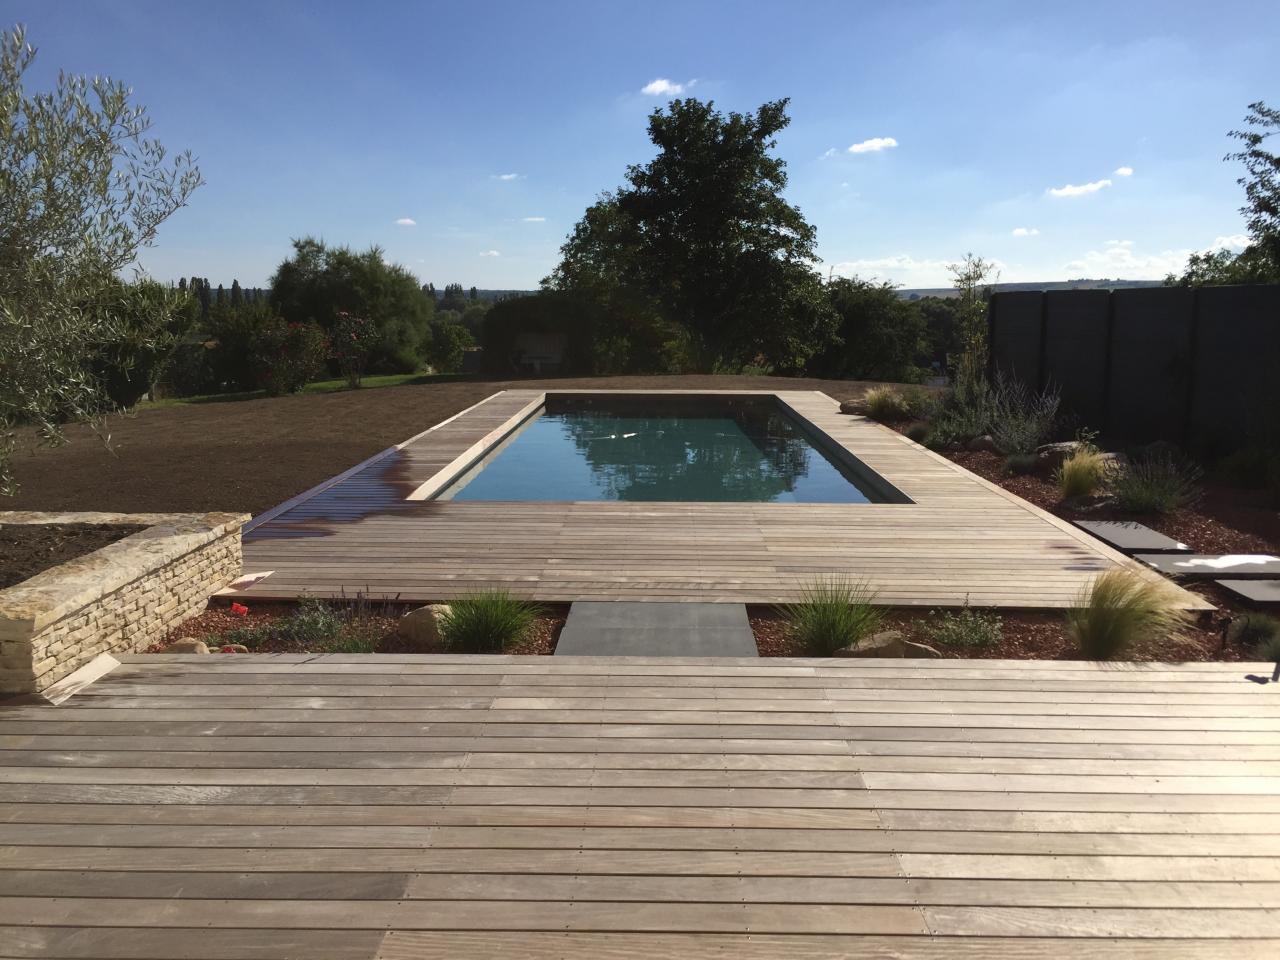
30 548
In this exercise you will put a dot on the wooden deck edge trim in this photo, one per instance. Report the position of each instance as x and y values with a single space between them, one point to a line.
74 682
465 460
324 485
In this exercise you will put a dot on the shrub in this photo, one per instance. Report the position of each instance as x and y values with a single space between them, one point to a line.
288 355
352 339
1021 420
919 432
1020 463
921 404
833 614
315 626
886 404
1121 610
1082 473
1253 629
487 622
967 628
1268 649
1157 482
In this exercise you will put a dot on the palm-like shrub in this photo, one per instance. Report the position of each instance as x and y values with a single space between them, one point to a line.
833 614
1156 483
490 621
1121 610
1082 473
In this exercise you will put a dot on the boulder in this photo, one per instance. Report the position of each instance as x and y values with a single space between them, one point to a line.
856 407
187 645
983 444
1049 457
886 643
919 651
420 628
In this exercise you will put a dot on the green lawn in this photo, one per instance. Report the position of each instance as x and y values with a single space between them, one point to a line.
318 386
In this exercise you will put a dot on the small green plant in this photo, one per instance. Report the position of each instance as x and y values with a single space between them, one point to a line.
490 621
1268 649
966 628
886 404
1020 464
833 614
1022 419
1082 473
1156 482
1121 610
1253 629
919 432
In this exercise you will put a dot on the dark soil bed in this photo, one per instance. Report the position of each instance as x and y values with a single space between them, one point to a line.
375 625
30 548
249 455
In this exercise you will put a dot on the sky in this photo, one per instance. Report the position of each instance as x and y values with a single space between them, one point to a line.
466 139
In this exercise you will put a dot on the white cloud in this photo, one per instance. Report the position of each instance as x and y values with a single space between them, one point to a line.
902 269
406 222
1124 171
1118 260
1026 231
490 253
662 87
533 219
829 152
1078 190
1237 241
508 176
874 145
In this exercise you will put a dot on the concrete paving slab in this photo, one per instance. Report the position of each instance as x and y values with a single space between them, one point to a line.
644 629
1130 537
1253 591
1206 566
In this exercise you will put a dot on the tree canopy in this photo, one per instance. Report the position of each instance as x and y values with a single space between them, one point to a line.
703 234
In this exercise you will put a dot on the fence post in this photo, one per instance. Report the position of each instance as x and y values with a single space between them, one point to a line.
1193 346
1105 428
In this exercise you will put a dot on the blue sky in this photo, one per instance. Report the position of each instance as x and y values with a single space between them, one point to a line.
491 125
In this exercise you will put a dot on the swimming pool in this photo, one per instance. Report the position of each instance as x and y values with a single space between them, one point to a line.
660 448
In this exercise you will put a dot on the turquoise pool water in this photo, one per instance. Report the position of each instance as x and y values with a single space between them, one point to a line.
656 449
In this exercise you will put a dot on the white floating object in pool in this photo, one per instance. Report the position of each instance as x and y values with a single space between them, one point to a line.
627 435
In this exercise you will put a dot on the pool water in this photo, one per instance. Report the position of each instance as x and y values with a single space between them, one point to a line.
703 450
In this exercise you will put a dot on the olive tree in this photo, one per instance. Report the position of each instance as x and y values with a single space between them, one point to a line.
82 190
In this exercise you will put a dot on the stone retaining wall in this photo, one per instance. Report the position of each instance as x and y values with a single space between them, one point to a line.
121 598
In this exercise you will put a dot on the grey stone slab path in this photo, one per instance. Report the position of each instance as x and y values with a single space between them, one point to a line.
1254 591
1208 566
1131 537
649 629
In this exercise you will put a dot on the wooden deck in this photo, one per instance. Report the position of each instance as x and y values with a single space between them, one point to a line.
234 807
960 539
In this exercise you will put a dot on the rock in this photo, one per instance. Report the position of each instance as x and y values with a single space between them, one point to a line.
420 628
1049 457
856 407
886 643
919 651
187 645
233 648
983 444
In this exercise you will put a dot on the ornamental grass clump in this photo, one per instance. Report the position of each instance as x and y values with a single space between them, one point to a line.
833 614
1156 483
1082 473
1254 630
491 621
887 405
1121 611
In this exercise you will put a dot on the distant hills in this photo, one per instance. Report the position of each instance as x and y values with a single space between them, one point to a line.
916 293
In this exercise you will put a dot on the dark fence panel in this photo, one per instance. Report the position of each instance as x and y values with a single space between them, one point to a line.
1200 368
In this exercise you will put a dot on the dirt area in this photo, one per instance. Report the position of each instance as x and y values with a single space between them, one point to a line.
367 626
250 455
30 548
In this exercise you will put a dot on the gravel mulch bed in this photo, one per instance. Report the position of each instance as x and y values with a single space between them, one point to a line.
376 625
30 548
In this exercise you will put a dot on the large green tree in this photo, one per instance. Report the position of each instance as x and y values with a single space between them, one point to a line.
1259 262
703 233
318 282
882 336
82 190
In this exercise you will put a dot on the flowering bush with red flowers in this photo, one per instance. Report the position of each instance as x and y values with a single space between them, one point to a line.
352 339
288 355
